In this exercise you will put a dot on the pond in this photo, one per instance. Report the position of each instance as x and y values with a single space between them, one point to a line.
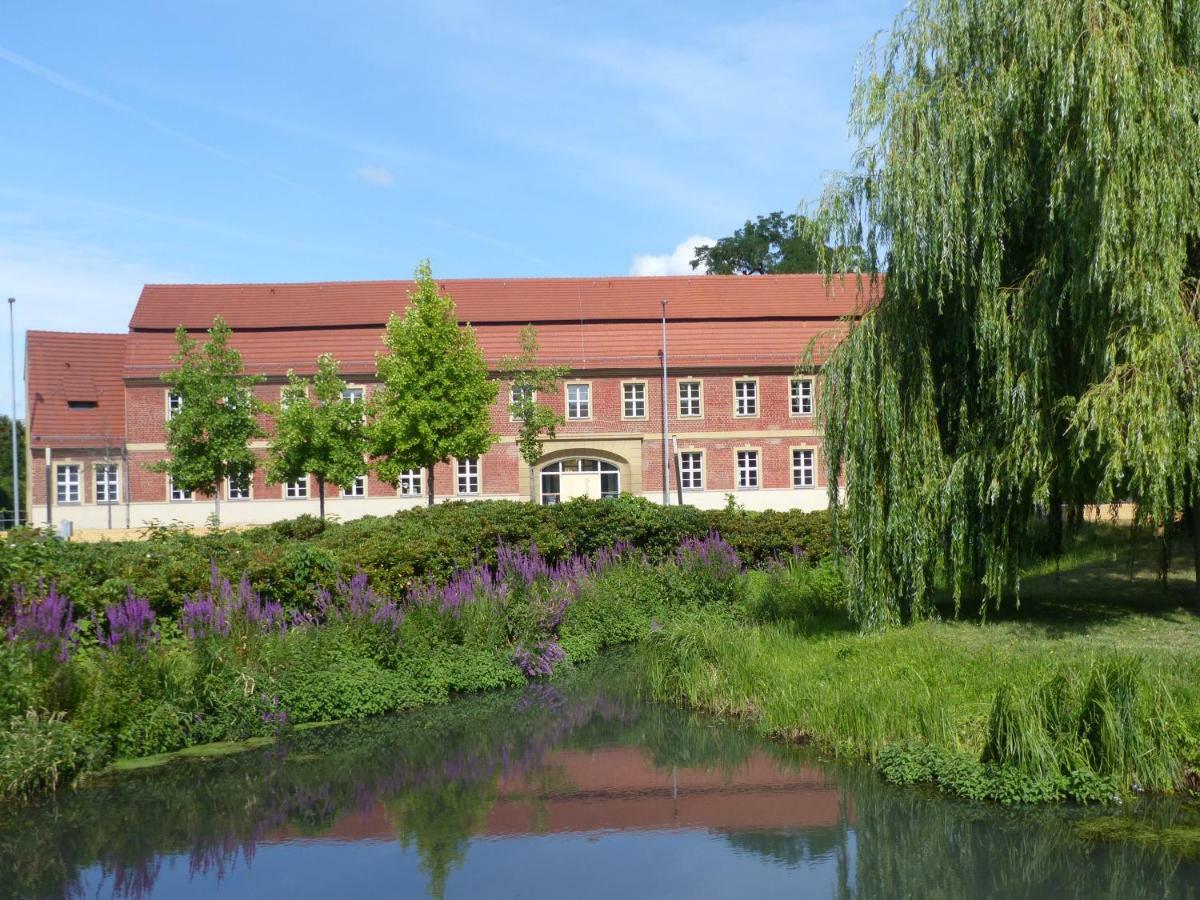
566 789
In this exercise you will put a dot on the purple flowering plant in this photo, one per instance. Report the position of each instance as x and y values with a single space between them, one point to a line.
224 609
130 625
44 622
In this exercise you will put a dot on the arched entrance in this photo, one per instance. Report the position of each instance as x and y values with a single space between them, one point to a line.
578 476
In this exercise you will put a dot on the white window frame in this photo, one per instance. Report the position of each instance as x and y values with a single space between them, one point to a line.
742 403
358 488
804 474
114 484
174 403
744 472
177 495
65 487
626 400
411 483
512 398
698 399
464 471
802 397
695 474
231 488
296 490
354 393
586 403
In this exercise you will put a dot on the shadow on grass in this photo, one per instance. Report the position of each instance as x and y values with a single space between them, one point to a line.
1081 597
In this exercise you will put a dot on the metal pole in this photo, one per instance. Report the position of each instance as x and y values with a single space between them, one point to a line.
678 473
49 493
666 466
16 466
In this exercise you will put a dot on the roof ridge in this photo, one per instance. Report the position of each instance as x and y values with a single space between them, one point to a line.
500 279
101 334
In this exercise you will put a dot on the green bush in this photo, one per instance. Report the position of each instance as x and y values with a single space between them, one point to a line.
289 561
804 595
38 752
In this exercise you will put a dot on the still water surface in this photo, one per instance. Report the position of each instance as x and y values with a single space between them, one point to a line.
564 790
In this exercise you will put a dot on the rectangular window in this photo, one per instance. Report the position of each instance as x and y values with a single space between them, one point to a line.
296 490
68 484
804 469
174 404
745 397
468 476
691 470
356 488
410 484
579 401
353 394
107 483
747 468
237 489
802 396
689 400
176 493
633 400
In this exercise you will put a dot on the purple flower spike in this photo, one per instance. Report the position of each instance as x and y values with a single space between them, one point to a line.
130 624
44 623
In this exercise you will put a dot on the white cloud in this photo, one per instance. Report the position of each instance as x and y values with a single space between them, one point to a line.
677 262
376 175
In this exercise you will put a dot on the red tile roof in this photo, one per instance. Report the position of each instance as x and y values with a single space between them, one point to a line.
733 322
497 300
592 345
584 323
84 369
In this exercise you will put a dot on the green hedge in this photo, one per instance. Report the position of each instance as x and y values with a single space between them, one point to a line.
287 560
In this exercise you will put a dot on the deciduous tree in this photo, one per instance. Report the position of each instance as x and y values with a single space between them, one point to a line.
209 434
435 399
1028 177
774 244
535 421
325 439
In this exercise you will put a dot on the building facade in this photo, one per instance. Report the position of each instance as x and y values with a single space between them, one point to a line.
740 407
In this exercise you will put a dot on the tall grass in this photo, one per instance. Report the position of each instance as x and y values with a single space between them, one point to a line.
1012 721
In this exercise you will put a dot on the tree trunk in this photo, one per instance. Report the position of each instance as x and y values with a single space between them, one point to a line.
429 488
1054 519
217 504
533 485
321 495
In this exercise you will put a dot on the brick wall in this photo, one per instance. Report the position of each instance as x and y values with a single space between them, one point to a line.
718 432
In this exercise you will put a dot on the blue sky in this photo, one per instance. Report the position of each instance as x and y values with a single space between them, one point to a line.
234 141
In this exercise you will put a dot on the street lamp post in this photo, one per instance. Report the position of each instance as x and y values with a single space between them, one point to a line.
16 466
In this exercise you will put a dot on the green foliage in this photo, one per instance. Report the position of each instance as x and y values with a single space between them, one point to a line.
39 752
288 561
985 713
325 439
808 597
208 438
535 421
1029 180
435 397
774 244
6 473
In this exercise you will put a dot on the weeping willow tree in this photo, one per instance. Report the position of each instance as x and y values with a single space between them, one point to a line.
1028 180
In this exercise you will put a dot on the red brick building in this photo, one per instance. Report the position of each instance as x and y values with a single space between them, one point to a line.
739 413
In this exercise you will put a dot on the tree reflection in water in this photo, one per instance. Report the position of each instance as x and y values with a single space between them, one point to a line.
580 755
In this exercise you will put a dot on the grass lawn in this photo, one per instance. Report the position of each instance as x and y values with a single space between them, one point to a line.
936 684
